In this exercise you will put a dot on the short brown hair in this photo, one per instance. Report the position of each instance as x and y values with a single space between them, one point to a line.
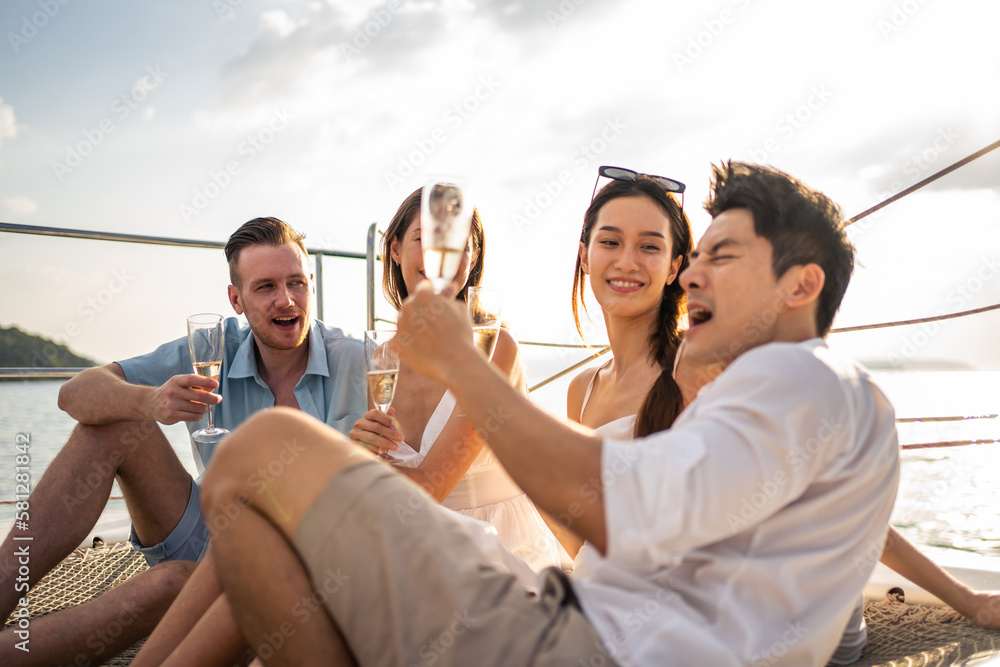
259 231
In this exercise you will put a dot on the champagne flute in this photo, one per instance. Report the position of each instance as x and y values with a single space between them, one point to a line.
206 340
484 310
382 369
445 220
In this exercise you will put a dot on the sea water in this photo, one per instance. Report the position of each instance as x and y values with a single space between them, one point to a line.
947 496
29 415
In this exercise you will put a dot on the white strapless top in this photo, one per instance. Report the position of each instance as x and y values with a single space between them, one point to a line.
619 429
505 524
485 482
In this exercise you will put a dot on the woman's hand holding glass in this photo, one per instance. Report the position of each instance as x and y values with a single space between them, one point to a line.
379 433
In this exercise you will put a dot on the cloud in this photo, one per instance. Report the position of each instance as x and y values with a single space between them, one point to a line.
19 207
8 123
337 41
897 157
276 22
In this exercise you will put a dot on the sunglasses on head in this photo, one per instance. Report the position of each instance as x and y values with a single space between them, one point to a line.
622 174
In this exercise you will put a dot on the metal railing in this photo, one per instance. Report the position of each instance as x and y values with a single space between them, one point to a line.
34 373
370 274
317 253
34 230
370 257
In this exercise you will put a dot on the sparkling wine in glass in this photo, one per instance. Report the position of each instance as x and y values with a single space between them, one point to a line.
445 220
382 368
206 340
484 310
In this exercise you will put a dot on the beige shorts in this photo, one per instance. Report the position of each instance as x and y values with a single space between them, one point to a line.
407 586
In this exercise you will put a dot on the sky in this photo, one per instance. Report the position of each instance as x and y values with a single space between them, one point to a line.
185 119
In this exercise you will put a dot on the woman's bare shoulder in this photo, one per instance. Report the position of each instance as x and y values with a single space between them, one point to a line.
577 389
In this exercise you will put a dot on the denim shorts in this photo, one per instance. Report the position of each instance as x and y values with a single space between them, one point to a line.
187 541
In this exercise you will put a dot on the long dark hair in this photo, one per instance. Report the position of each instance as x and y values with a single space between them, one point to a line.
392 274
664 401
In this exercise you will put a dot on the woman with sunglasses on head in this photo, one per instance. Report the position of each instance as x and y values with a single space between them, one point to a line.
634 244
425 437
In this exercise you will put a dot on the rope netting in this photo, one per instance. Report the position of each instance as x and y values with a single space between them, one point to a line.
898 634
911 635
84 575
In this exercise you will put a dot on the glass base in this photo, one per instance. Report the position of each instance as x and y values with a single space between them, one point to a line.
209 436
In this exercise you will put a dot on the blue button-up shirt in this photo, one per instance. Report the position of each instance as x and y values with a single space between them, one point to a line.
332 389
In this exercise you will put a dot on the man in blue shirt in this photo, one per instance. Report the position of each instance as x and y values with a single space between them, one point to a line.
283 358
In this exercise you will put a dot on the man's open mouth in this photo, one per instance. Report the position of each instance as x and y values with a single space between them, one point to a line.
699 315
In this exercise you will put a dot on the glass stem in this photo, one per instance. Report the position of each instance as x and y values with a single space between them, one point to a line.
211 417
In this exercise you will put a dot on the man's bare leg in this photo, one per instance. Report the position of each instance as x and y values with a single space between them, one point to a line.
253 521
97 631
70 496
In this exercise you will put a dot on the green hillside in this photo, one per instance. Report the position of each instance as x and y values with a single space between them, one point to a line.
20 349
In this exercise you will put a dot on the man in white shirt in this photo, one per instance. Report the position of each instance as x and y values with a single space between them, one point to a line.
741 536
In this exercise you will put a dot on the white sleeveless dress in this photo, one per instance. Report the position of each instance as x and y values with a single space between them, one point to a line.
619 429
488 494
622 428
